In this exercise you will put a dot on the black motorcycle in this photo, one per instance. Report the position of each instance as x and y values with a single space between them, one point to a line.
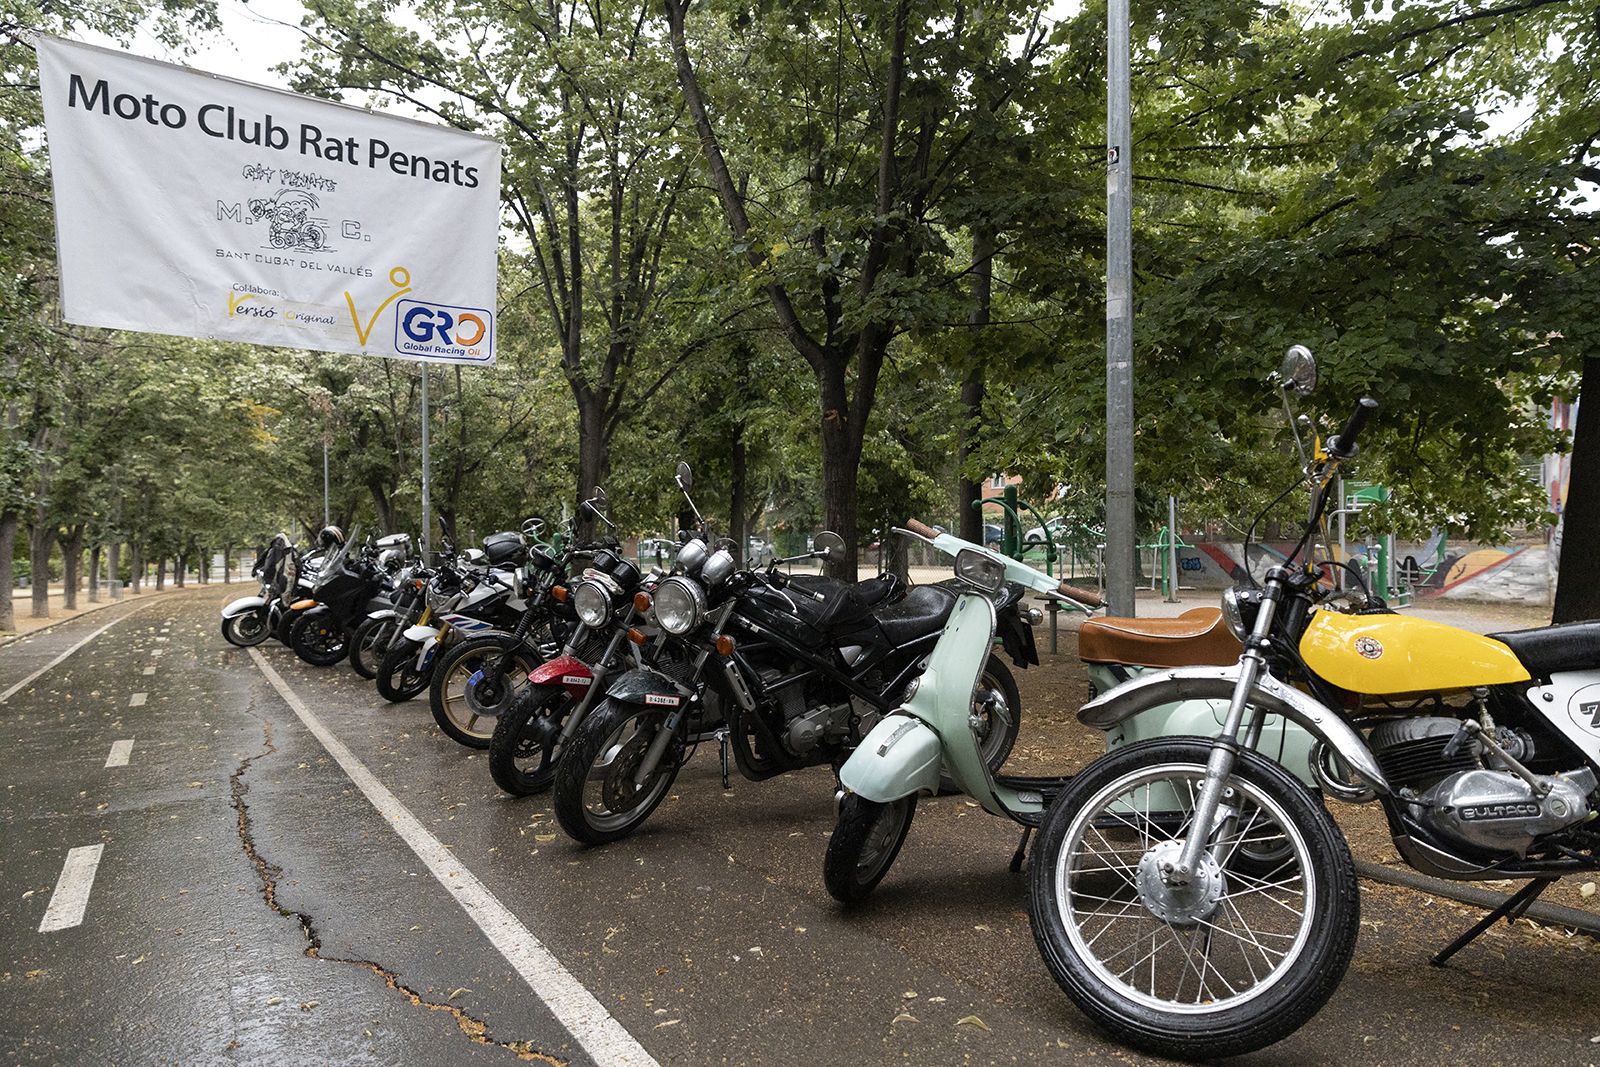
348 587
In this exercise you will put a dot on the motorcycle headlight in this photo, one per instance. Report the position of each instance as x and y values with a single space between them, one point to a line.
1239 609
679 605
593 604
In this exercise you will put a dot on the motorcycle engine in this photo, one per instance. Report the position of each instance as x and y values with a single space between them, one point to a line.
1466 797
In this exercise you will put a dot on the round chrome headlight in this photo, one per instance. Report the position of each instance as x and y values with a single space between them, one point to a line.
679 604
593 603
717 567
691 555
1239 608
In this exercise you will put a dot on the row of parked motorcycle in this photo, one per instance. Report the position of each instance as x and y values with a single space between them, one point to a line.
1189 890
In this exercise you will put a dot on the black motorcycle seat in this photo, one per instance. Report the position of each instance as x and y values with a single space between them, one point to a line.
868 593
919 613
1547 650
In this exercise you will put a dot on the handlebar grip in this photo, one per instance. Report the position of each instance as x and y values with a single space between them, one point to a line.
921 529
1082 596
1344 445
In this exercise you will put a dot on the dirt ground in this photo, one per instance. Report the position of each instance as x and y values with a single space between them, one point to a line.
1052 741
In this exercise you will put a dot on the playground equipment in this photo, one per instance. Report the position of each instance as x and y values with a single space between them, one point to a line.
1164 555
1013 545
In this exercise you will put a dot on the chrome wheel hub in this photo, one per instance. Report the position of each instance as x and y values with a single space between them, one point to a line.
1179 905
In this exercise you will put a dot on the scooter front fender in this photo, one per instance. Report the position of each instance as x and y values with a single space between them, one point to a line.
419 634
898 758
245 605
1217 683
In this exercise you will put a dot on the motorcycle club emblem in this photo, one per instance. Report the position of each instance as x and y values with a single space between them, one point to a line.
1369 647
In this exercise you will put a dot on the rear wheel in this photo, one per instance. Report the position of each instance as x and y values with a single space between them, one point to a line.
527 740
865 842
597 797
399 678
319 639
466 710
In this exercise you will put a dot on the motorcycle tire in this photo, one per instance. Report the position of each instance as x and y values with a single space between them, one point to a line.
285 625
1003 728
370 644
1233 1018
459 712
524 751
399 678
865 842
245 631
601 754
319 640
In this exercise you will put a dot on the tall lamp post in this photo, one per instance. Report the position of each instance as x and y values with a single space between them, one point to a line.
1120 543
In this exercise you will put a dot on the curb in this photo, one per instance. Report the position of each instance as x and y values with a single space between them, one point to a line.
1550 914
104 605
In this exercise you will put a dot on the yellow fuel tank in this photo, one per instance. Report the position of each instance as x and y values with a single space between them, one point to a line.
1386 654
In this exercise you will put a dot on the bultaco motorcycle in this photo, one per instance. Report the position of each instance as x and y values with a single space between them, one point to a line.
1195 899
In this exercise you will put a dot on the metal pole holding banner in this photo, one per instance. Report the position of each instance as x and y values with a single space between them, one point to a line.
426 518
327 511
1120 546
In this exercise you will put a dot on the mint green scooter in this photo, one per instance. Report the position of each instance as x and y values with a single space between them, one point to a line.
935 728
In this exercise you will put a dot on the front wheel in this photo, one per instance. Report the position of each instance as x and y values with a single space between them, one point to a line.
865 842
468 694
527 740
1225 962
319 639
370 643
598 797
399 677
246 630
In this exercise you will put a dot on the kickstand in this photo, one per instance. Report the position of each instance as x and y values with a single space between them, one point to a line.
1022 850
722 743
1511 910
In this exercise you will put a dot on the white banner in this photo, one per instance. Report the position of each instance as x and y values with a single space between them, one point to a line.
192 204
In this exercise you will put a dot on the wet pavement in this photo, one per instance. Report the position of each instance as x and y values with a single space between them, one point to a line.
253 905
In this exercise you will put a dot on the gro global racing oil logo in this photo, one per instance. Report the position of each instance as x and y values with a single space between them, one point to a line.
423 330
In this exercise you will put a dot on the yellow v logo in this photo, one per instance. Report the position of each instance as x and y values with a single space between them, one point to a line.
234 300
401 279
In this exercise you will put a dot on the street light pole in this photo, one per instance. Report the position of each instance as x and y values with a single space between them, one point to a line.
1120 543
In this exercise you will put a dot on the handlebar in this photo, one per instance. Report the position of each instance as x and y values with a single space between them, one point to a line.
921 529
1082 596
1344 445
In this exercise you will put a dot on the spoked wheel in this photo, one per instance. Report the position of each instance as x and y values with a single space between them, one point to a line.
527 740
598 797
247 630
864 845
467 698
1235 957
399 676
371 643
319 640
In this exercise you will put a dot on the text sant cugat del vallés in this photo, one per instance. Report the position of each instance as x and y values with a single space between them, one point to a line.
223 122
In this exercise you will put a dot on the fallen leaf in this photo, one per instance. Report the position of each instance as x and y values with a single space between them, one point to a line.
456 992
973 1020
904 1017
1586 890
544 839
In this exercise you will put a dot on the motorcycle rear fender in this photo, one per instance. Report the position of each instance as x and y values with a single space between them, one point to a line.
569 672
1216 683
645 686
245 605
420 634
898 758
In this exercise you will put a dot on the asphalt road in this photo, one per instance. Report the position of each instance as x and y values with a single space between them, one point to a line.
253 904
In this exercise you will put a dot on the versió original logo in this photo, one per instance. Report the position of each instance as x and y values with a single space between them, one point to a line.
427 329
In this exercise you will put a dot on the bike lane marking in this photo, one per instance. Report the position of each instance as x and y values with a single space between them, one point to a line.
71 896
29 680
605 1039
120 751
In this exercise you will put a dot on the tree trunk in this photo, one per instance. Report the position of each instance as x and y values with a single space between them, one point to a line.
94 573
1578 581
180 569
227 564
114 569
161 573
382 505
594 456
71 566
8 578
970 490
736 505
41 539
841 469
136 567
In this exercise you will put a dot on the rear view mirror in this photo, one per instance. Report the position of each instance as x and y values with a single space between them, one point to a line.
1298 371
828 545
685 477
598 499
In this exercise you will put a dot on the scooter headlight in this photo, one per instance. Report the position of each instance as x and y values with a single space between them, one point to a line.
593 603
680 602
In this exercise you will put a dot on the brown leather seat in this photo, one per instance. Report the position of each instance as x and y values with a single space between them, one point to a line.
1197 638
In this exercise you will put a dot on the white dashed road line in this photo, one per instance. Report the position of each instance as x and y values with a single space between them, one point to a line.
71 897
120 751
137 700
606 1041
9 693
